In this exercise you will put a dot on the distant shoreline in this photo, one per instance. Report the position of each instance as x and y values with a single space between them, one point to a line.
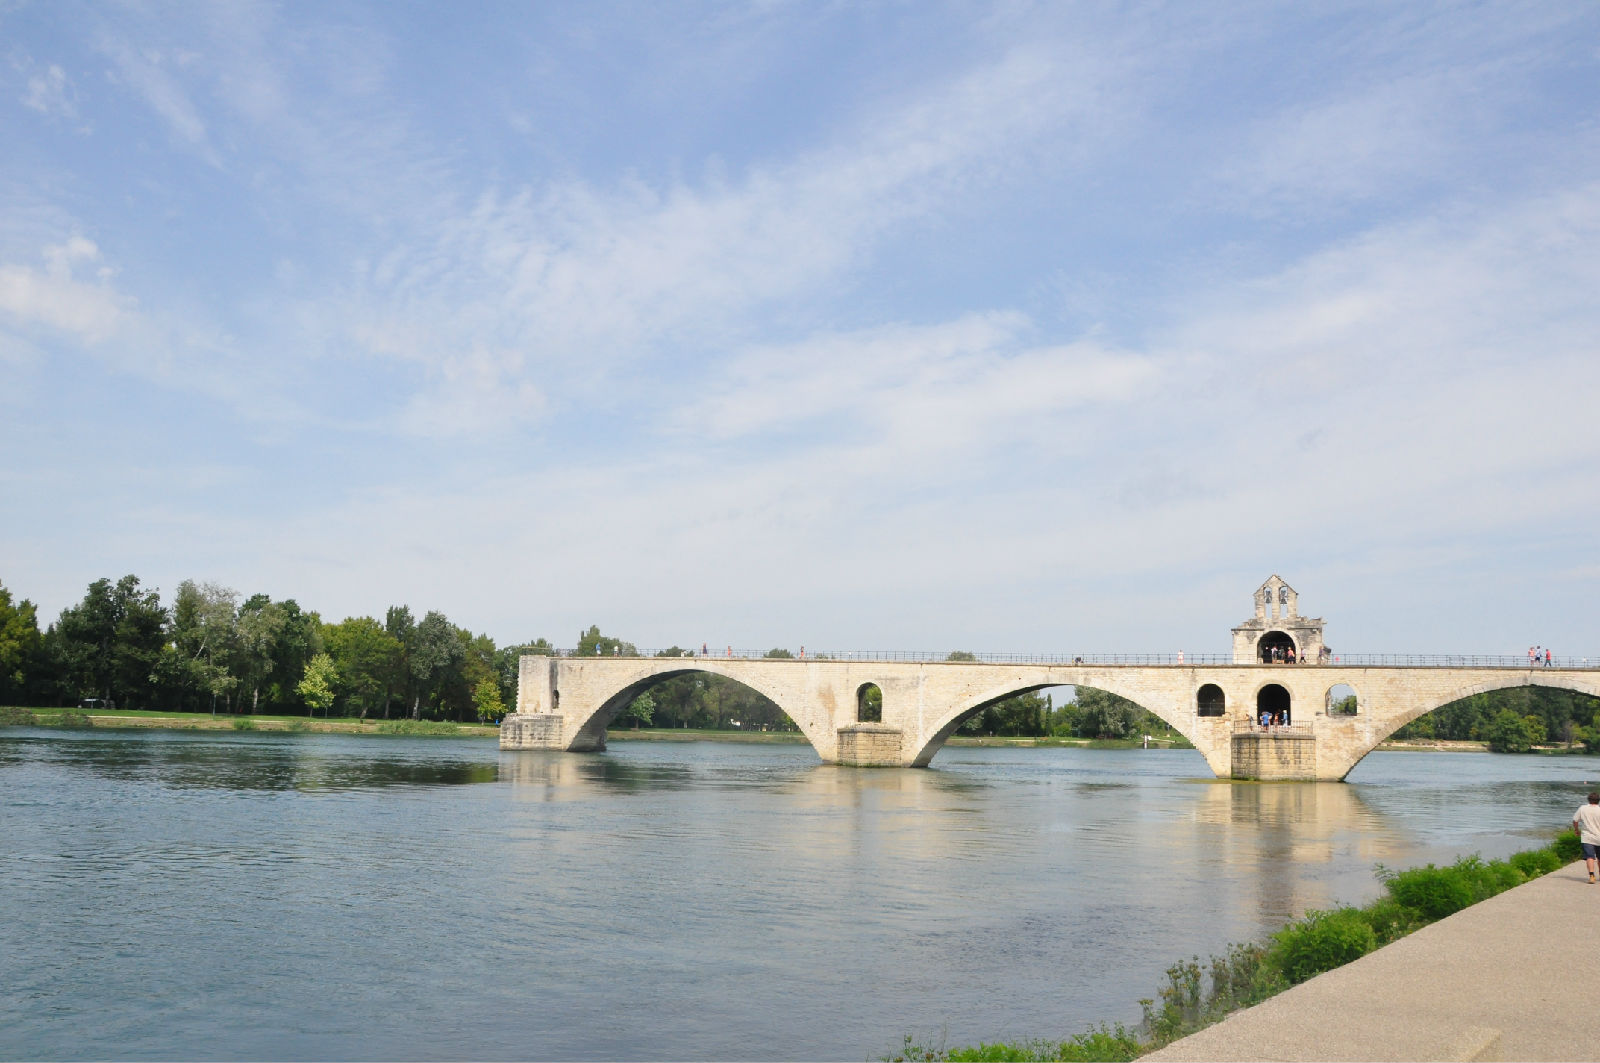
202 721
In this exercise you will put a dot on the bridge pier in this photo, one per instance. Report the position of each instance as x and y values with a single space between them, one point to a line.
1275 756
871 745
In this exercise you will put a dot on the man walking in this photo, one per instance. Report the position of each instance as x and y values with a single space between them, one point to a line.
1586 821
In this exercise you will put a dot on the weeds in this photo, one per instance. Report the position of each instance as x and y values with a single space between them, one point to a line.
12 716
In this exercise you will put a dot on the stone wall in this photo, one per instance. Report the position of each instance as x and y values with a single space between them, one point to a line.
1274 755
870 745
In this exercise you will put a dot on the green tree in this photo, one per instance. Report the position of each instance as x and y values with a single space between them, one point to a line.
640 710
20 647
204 642
316 685
1508 733
260 625
110 644
367 659
486 697
434 650
593 644
779 654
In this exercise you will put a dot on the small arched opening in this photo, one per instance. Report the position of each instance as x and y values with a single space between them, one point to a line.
869 704
1277 647
1272 706
1211 701
1342 700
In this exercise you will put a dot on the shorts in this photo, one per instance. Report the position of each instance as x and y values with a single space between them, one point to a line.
1591 851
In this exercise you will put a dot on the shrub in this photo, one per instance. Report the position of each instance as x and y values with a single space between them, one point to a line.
11 716
1566 848
1390 920
244 723
1433 892
1505 875
74 718
1536 862
1322 941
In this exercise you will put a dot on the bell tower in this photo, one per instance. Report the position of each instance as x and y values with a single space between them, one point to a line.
1278 633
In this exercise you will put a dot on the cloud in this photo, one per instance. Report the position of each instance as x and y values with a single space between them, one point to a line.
580 282
91 311
148 73
52 93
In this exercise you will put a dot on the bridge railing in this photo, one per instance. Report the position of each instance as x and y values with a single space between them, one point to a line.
1250 726
1351 660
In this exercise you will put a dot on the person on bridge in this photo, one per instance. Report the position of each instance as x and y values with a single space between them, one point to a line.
1586 821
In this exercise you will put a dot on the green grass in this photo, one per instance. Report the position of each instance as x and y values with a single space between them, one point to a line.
1198 994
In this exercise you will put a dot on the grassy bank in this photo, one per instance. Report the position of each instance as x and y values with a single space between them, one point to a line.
204 721
1198 994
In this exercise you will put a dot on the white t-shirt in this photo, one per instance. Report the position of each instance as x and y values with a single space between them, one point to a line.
1588 820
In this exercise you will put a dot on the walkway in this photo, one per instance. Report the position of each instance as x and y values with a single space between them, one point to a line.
1511 978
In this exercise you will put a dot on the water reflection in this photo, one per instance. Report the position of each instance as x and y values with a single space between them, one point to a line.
251 762
353 897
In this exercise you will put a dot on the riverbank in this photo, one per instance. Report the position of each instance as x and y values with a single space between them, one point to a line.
1342 983
204 721
1503 979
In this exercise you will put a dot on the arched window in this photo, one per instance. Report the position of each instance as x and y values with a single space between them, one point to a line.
1272 706
869 704
1342 700
1212 701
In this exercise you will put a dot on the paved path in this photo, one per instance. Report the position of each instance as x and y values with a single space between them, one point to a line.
1516 977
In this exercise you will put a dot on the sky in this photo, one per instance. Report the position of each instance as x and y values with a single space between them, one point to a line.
1010 327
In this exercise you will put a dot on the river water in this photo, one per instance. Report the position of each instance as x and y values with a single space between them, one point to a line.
169 895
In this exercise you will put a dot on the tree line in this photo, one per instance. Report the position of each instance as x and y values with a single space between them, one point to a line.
210 649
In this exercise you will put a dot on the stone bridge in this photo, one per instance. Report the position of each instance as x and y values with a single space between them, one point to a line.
565 703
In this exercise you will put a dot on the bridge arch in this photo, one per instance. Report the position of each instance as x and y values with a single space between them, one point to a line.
1210 700
591 727
947 725
1389 724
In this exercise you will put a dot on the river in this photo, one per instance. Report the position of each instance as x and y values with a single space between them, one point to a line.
171 895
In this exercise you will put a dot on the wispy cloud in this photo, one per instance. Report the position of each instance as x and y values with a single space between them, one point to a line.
55 296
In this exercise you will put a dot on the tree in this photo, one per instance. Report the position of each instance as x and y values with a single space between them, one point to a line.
779 654
367 659
433 651
593 644
961 655
204 640
1102 714
261 625
20 646
110 643
639 710
1508 733
316 685
486 696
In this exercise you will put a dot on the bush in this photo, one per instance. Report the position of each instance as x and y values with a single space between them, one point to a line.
1390 920
1566 848
1322 941
73 718
11 716
1433 892
1536 862
244 723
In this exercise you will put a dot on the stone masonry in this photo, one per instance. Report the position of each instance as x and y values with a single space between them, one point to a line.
566 703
